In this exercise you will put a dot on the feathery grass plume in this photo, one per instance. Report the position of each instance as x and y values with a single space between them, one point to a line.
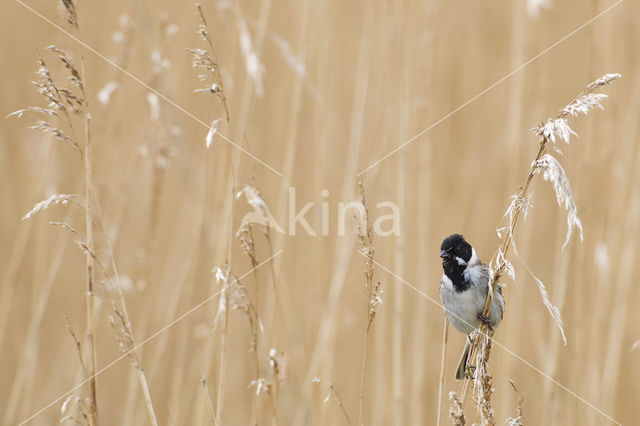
374 290
553 172
63 199
517 420
332 395
207 61
456 411
61 102
549 132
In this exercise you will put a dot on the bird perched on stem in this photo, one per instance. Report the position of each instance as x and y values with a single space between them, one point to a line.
463 291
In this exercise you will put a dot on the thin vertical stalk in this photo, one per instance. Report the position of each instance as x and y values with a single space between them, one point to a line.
443 357
90 294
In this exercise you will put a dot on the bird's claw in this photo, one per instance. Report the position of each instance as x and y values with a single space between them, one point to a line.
484 320
469 371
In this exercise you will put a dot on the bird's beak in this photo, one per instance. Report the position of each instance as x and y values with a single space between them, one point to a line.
445 254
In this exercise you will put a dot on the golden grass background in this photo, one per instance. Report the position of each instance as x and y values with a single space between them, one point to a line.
375 74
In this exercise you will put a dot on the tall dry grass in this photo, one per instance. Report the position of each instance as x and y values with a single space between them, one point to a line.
318 91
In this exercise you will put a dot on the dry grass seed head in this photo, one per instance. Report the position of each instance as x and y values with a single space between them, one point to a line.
70 12
332 395
517 420
456 412
482 379
124 335
75 410
63 199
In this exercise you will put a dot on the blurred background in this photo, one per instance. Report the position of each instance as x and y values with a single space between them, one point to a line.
319 91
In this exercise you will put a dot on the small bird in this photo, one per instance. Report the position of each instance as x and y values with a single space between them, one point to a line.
463 292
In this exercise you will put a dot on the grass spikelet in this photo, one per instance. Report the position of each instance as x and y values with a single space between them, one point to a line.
70 12
63 199
332 395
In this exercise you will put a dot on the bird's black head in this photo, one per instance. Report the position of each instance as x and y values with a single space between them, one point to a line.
455 246
456 253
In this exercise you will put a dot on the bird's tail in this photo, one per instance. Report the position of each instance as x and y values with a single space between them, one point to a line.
462 365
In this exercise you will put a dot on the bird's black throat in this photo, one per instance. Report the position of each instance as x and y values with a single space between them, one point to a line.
455 272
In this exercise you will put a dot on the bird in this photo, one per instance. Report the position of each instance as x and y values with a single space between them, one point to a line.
463 292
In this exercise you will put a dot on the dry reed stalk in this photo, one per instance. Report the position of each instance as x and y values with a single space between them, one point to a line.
7 290
245 236
248 245
443 356
177 277
63 103
238 299
561 281
222 275
513 126
399 252
427 22
618 278
75 409
17 392
120 320
212 413
80 105
548 165
398 299
124 335
628 245
374 290
207 60
249 87
158 148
